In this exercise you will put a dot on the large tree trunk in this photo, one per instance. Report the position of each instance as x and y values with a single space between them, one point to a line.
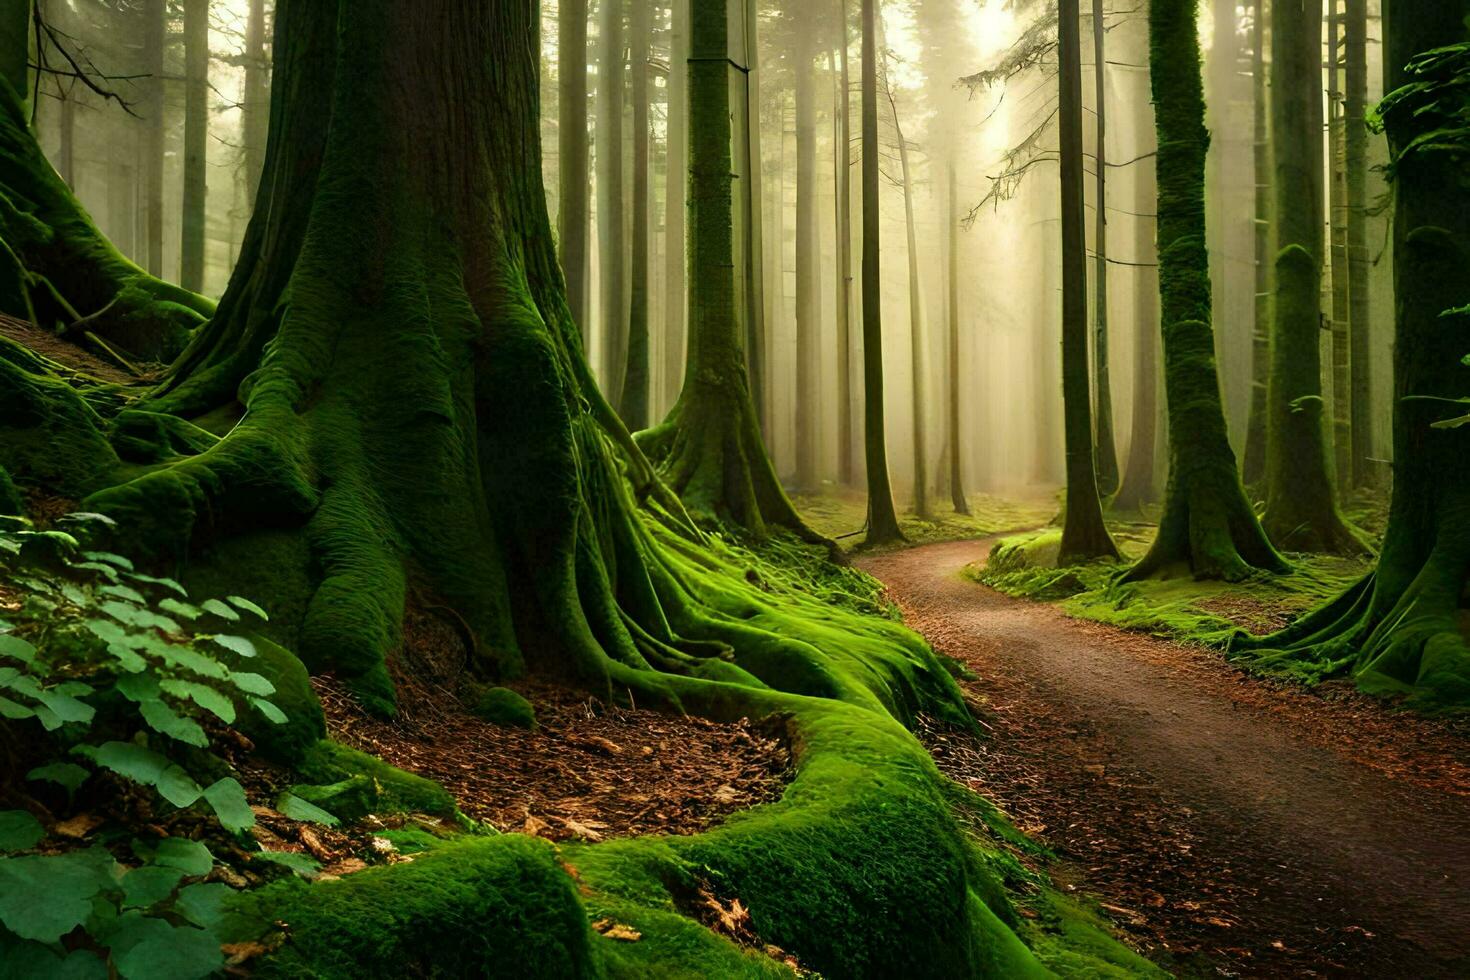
155 25
675 293
611 219
1402 628
1106 452
196 144
1084 535
1139 483
808 407
1208 524
957 496
1253 463
256 110
1337 253
633 400
1301 500
573 179
710 448
918 340
1355 44
752 199
882 517
842 164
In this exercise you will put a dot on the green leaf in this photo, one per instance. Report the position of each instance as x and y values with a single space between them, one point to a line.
139 688
122 592
67 774
127 659
149 768
57 707
111 559
184 610
217 608
189 856
178 953
149 885
106 630
296 808
303 864
236 644
23 958
201 694
89 517
203 903
185 657
19 830
16 649
240 602
166 583
105 570
140 618
228 799
162 719
252 683
44 898
269 710
14 711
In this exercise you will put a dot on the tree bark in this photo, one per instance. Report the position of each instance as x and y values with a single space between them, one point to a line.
611 219
675 293
154 28
1401 628
15 43
1355 44
710 449
754 258
882 518
256 109
1084 535
1139 483
1106 449
1338 265
1208 525
1301 499
633 400
573 178
957 495
842 163
918 340
808 407
196 144
1253 464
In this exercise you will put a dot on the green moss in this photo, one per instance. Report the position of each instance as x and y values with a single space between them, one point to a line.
305 725
390 790
12 504
837 515
502 706
50 437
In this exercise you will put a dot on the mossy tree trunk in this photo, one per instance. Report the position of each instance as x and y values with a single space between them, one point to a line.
256 108
1403 626
1084 535
196 144
1253 462
573 178
1301 499
1105 450
1339 361
710 449
752 196
842 166
1355 74
633 400
676 296
808 400
1207 525
882 517
612 220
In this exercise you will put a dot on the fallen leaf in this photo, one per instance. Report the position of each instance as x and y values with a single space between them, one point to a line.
238 953
581 829
613 929
78 826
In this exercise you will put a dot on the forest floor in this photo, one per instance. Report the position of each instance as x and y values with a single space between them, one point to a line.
1232 825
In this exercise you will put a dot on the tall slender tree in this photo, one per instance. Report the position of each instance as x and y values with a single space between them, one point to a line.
1253 463
1340 421
1084 535
611 213
918 327
1355 79
633 400
709 448
1301 499
1106 449
882 517
957 496
196 144
808 407
676 187
1402 627
154 28
752 201
573 179
842 183
1207 524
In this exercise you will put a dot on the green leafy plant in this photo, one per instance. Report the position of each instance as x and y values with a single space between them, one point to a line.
105 669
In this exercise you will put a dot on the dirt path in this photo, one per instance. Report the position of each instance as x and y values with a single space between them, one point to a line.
1232 827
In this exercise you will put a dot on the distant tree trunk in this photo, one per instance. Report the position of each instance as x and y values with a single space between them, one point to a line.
572 176
754 258
15 41
1084 535
675 294
808 407
633 401
1139 485
882 518
155 25
1253 469
1106 449
1403 625
957 495
1301 501
196 144
918 342
1338 255
1355 43
257 109
611 221
66 157
842 164
1208 524
710 448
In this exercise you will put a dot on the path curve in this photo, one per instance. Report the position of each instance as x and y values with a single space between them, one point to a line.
1227 823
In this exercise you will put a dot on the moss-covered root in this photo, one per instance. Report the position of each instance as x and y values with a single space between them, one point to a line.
57 270
51 438
1208 525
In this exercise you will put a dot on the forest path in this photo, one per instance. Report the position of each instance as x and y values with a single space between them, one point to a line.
1245 827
